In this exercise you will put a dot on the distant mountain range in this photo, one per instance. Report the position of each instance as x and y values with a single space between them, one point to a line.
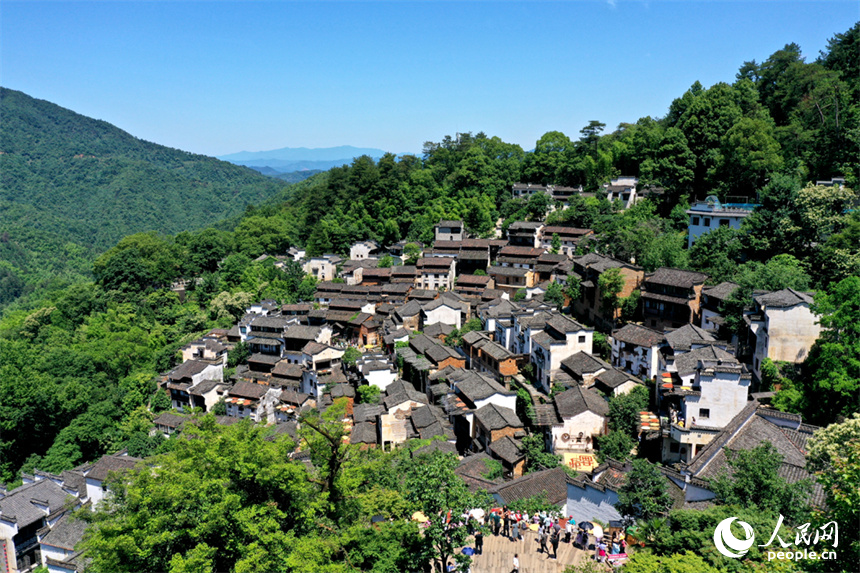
289 159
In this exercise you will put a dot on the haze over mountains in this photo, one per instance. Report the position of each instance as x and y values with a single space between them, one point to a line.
289 159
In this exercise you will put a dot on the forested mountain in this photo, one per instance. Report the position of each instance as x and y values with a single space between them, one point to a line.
73 186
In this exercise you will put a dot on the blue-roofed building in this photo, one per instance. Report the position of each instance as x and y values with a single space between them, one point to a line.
709 214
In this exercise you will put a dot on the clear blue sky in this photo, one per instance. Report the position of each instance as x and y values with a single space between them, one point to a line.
222 77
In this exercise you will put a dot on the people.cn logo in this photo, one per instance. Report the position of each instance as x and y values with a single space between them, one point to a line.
728 544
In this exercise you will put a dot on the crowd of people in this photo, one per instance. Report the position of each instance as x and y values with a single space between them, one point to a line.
550 529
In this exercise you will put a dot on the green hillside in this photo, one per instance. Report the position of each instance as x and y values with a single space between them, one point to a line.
73 186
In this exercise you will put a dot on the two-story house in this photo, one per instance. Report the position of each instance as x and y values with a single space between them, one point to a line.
486 355
588 269
672 298
783 327
525 234
436 273
709 214
560 339
636 349
448 230
570 237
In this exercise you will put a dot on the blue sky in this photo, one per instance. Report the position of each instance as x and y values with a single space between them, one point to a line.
222 77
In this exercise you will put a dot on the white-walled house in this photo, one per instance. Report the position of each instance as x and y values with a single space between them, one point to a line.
57 542
40 501
443 311
97 474
622 189
784 327
714 389
582 416
636 349
321 268
379 373
560 339
363 250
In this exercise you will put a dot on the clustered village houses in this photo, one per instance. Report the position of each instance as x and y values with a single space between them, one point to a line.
467 398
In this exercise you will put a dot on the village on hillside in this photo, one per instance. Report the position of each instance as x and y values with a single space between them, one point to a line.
495 350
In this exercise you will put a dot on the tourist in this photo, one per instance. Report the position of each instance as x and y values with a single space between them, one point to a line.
479 542
568 529
507 516
553 540
516 530
516 568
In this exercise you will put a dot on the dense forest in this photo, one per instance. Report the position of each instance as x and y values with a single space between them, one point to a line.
78 362
73 186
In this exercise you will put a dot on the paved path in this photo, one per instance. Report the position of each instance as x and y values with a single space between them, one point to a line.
499 553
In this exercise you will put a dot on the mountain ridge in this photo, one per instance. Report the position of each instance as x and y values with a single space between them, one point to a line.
71 186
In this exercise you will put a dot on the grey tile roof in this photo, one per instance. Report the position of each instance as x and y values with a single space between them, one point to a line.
248 390
437 446
583 363
577 400
638 335
107 464
613 378
18 504
438 353
472 469
279 322
66 532
684 337
169 420
688 362
286 370
393 400
313 348
721 291
476 387
437 429
508 450
552 483
366 412
411 308
564 324
508 272
676 277
363 433
495 417
399 385
427 416
784 298
749 429
342 391
438 329
298 331
187 369
449 223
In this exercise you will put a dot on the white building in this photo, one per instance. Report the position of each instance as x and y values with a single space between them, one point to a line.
442 310
714 389
560 339
622 189
635 349
582 416
784 327
321 268
363 250
707 215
